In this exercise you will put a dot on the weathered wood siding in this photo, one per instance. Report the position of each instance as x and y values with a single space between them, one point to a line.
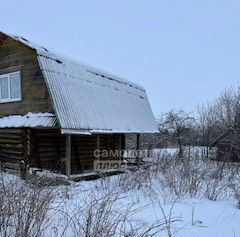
50 149
46 148
11 145
15 56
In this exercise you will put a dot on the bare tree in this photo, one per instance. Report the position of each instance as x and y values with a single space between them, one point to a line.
227 111
177 125
206 126
219 124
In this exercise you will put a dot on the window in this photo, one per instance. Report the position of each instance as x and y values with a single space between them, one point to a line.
10 87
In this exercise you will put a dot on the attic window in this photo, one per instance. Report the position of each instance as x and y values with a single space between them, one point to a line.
10 87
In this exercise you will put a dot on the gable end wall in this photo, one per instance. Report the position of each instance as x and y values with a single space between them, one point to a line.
15 56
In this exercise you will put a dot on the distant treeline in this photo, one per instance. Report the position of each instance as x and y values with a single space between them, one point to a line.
214 124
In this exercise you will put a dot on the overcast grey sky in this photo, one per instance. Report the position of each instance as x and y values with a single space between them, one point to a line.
183 52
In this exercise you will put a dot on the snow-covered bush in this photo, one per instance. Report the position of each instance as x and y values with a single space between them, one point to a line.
36 208
193 176
116 206
24 209
106 215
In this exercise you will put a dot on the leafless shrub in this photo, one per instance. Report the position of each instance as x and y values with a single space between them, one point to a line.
34 208
169 219
179 177
237 196
44 181
235 187
105 214
193 176
23 210
138 180
213 189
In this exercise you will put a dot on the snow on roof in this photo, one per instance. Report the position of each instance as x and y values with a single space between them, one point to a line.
88 100
30 120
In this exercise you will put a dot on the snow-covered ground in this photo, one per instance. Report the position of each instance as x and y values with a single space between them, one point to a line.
196 217
197 199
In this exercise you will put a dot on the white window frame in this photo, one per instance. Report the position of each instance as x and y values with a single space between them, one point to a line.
9 99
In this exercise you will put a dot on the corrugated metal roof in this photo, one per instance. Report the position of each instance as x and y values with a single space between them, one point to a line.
87 100
30 120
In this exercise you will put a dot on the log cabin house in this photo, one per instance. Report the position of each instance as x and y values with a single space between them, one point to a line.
54 111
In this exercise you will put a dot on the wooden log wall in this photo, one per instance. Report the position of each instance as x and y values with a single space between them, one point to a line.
83 148
46 148
11 145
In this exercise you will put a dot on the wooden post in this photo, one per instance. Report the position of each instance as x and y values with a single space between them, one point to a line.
35 149
120 146
98 145
26 148
138 147
68 155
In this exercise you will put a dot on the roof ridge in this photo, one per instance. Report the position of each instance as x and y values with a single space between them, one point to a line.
59 57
